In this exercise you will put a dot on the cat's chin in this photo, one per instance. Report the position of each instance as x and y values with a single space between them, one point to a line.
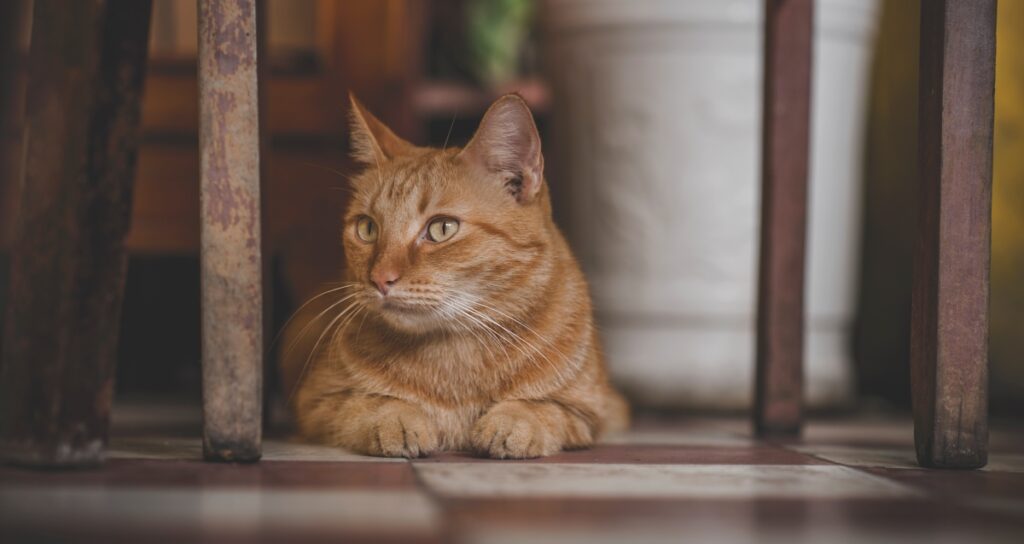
409 320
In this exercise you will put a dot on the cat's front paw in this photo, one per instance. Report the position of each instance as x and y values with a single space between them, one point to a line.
401 430
510 430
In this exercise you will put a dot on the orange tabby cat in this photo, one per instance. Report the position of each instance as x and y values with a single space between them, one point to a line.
464 322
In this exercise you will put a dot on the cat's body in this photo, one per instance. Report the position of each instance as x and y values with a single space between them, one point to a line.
465 322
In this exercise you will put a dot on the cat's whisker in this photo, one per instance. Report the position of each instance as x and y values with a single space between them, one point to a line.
361 322
312 352
533 347
478 302
325 167
480 317
307 303
472 332
302 332
333 342
514 319
453 311
359 308
497 339
449 135
465 311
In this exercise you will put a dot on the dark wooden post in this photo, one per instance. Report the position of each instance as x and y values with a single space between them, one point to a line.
15 27
784 165
230 252
68 259
266 247
949 327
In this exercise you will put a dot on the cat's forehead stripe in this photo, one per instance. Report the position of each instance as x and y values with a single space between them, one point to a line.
409 184
424 201
422 173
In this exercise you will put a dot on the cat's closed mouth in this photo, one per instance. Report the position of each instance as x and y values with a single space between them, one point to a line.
398 306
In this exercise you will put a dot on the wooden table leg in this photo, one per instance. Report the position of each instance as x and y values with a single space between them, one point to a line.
949 316
785 162
230 251
68 259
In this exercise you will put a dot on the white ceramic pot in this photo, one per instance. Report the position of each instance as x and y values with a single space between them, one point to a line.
654 164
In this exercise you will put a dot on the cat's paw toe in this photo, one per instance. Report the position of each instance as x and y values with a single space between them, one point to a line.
407 433
510 436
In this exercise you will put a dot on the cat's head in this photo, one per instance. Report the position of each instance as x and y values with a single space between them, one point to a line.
448 238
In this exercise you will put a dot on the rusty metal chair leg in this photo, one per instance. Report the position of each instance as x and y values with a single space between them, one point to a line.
231 264
949 315
778 407
87 61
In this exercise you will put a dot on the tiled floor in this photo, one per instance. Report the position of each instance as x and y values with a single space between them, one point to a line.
693 479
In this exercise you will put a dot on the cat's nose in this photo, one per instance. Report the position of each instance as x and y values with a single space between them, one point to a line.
384 279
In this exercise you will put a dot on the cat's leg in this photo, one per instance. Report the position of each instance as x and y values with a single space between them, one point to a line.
369 424
517 429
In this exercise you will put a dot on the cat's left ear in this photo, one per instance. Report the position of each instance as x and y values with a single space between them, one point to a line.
507 143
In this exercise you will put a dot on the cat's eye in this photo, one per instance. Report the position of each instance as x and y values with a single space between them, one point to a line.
366 229
442 229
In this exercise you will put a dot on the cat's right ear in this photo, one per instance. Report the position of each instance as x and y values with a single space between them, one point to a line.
507 143
372 142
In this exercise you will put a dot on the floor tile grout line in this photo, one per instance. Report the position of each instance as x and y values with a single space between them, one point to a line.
793 448
448 532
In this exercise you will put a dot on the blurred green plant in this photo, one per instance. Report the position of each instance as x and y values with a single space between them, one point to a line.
497 32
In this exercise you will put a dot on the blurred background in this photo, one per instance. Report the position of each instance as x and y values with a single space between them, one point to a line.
650 114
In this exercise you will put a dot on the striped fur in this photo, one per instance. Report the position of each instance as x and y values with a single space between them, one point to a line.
486 341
